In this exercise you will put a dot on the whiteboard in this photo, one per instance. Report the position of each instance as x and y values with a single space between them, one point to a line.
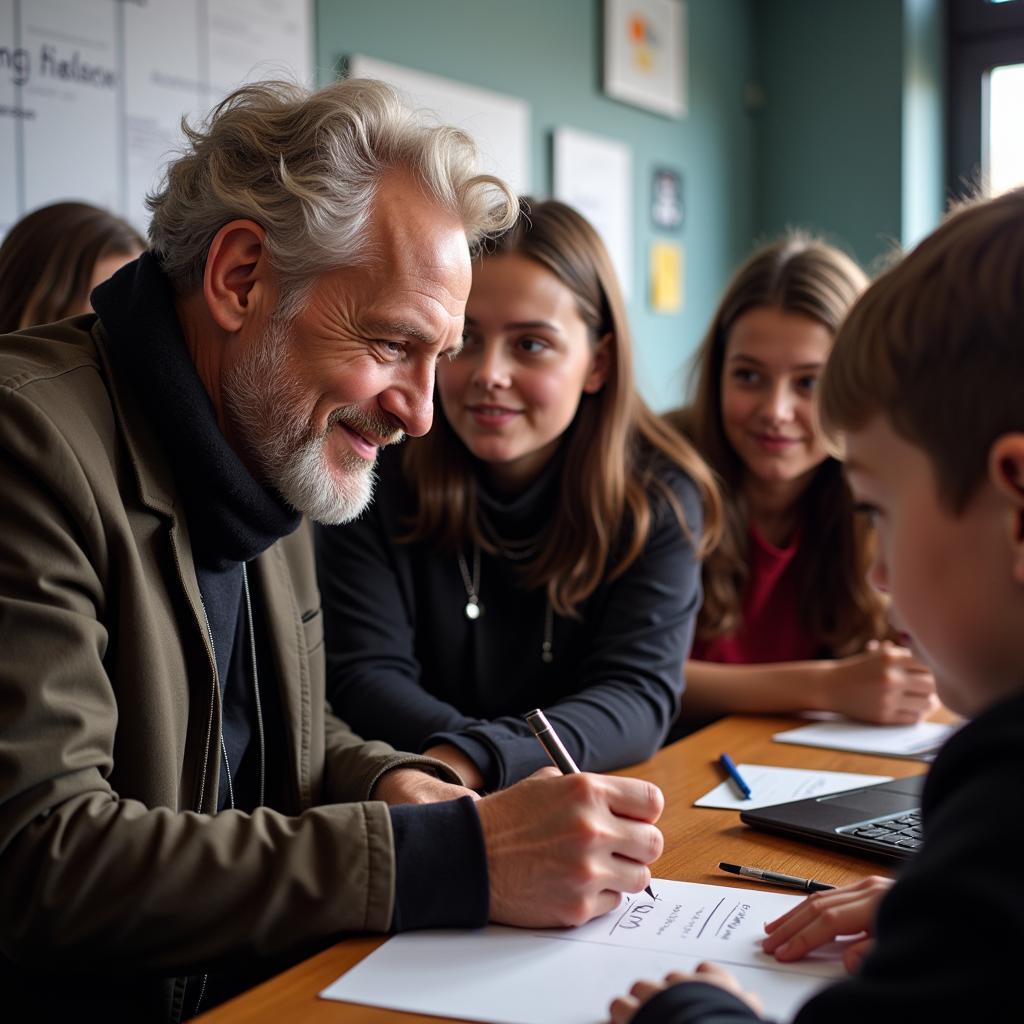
498 123
92 92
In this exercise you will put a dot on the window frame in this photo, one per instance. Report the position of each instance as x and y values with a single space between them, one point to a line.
982 35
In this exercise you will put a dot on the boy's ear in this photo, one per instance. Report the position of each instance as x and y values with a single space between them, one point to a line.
237 275
1006 471
600 364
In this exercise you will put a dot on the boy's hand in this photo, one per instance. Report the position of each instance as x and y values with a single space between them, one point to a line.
823 917
623 1008
562 849
885 684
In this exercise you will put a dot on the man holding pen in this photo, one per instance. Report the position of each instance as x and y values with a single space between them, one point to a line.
180 815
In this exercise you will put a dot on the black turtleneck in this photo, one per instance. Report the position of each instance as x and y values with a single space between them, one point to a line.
440 862
406 665
231 517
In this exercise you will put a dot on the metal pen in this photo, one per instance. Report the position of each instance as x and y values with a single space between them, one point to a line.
560 757
791 881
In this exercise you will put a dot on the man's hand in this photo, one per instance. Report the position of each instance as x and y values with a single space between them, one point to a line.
822 918
624 1008
561 849
415 786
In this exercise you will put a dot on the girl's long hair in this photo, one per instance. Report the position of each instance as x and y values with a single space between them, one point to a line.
603 515
797 274
47 260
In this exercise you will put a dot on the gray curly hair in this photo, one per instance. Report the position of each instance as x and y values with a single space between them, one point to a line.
305 167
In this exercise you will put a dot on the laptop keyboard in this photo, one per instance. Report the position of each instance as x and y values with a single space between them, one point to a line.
902 831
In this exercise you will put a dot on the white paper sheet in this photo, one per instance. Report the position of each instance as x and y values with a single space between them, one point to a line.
499 123
594 174
570 976
920 741
772 785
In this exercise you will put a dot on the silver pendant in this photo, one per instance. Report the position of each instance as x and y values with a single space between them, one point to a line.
473 609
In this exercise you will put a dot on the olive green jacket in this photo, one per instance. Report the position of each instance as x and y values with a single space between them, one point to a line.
113 865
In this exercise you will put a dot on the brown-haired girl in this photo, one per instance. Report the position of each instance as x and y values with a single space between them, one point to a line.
789 621
538 548
52 259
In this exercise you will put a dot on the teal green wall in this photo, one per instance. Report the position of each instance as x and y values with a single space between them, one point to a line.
548 53
828 136
844 134
849 138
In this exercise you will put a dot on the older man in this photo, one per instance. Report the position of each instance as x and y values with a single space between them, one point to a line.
178 811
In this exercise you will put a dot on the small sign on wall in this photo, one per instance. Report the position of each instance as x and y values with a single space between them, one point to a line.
666 199
666 268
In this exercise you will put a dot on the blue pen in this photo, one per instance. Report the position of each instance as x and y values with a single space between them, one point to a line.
726 762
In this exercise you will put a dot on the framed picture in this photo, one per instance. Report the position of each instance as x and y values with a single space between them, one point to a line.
666 199
645 54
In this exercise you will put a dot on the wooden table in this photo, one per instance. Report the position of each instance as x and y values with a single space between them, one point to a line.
696 839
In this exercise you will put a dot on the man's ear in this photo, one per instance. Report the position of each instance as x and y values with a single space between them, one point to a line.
1006 471
600 364
238 280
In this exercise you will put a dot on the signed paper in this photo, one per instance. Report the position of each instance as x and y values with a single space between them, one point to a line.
771 785
569 976
920 741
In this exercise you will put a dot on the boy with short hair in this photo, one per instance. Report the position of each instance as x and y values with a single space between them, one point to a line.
926 386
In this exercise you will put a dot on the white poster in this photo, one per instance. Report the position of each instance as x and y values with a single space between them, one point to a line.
72 143
257 39
161 85
594 174
92 92
499 124
13 72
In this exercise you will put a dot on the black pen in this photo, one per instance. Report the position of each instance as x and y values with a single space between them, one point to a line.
792 881
560 757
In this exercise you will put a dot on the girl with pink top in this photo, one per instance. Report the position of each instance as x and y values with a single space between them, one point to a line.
789 622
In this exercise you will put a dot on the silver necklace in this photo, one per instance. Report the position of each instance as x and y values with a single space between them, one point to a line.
474 609
547 648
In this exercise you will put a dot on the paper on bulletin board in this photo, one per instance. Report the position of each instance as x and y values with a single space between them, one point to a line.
167 76
594 174
498 123
109 83
666 277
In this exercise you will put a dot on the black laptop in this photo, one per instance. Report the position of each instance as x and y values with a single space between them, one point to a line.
883 820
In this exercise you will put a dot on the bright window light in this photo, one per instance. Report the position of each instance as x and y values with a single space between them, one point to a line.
1004 164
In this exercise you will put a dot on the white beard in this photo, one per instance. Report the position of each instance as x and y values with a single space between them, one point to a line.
264 401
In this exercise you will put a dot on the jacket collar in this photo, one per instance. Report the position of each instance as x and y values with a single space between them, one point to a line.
231 515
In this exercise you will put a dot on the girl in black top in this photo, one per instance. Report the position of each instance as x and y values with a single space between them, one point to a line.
538 548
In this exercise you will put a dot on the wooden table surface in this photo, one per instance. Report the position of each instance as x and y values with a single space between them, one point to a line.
696 839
